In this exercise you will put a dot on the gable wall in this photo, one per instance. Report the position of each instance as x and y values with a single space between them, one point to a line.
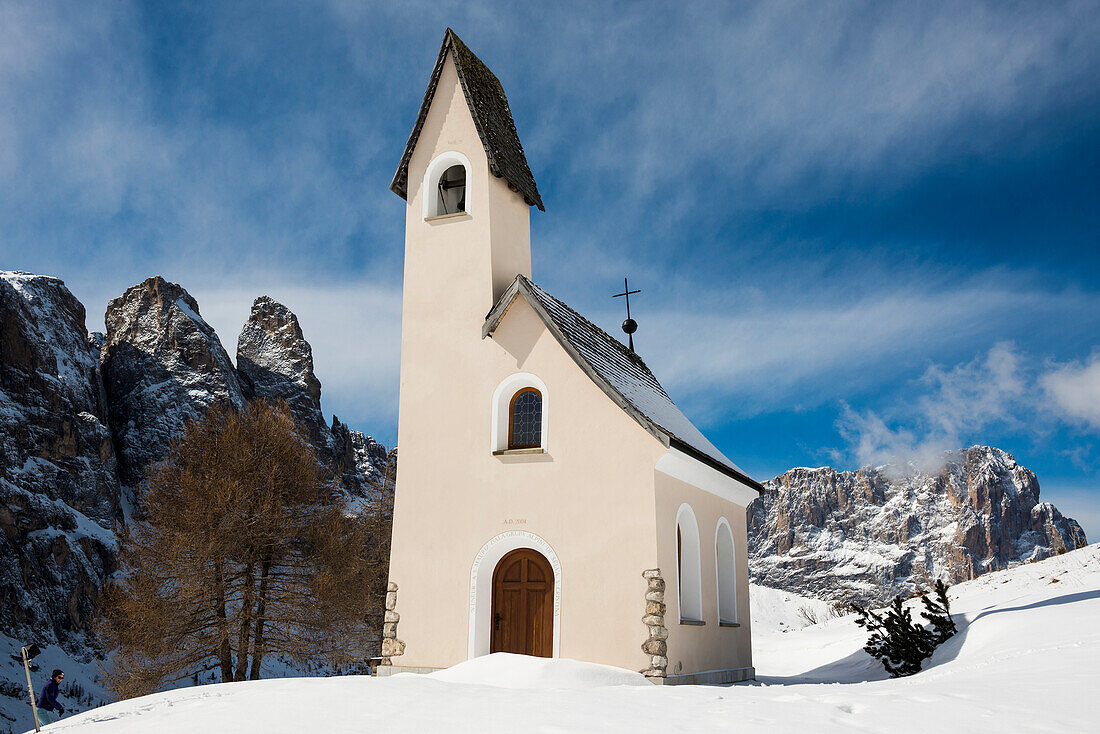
590 496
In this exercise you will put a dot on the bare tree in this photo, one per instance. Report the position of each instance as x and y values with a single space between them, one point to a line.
245 549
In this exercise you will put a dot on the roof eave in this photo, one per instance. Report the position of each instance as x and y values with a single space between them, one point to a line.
715 464
496 313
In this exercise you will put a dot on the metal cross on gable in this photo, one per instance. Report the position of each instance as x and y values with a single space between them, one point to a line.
630 325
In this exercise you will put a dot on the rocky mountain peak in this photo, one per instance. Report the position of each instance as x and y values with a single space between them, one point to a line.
59 493
275 362
162 366
358 456
877 531
78 411
51 407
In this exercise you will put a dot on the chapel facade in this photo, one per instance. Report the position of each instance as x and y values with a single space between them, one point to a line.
551 499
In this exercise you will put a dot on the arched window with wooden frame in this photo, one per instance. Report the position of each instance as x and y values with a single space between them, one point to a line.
525 419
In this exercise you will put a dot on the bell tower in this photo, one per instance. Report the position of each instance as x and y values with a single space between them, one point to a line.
468 192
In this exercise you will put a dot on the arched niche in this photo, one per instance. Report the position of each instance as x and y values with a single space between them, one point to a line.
725 561
689 572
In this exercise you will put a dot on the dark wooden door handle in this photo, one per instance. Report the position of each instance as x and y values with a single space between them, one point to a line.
497 619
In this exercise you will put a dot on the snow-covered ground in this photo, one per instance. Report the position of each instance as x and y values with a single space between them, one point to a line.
1026 659
775 610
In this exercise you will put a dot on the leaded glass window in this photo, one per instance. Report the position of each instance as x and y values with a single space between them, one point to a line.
525 424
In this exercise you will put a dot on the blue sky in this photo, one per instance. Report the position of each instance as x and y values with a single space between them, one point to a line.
861 230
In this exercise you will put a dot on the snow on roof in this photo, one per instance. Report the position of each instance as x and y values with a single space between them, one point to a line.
619 372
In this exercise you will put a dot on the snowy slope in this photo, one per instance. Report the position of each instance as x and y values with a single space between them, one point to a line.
1027 659
777 610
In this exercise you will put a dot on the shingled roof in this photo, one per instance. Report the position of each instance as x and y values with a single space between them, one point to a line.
492 118
620 373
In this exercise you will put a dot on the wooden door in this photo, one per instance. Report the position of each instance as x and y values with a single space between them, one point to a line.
523 605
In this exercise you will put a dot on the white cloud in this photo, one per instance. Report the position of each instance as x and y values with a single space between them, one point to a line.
808 101
730 355
1075 389
993 389
117 175
954 407
957 404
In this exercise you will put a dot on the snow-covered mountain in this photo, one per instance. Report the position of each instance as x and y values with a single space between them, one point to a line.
83 416
1023 660
163 366
59 488
275 362
869 534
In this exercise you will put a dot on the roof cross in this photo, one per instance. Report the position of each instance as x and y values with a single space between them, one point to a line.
630 325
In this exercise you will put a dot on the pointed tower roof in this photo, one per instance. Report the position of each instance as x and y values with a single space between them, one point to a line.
492 118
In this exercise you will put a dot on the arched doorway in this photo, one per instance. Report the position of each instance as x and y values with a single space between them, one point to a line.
523 604
482 572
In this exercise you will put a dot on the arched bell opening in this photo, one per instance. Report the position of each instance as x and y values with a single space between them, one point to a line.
451 191
447 183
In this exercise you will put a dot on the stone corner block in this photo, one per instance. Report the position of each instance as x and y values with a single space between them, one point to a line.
392 648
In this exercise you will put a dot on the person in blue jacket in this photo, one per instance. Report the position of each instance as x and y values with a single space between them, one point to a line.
47 700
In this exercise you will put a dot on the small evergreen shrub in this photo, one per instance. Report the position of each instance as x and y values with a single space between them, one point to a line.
901 644
937 612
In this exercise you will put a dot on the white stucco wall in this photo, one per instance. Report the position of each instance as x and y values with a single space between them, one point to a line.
693 649
590 496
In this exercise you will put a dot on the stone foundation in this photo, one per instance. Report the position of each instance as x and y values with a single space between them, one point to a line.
383 671
656 645
708 677
391 646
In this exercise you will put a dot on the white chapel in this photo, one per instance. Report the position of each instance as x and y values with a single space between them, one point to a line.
551 499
